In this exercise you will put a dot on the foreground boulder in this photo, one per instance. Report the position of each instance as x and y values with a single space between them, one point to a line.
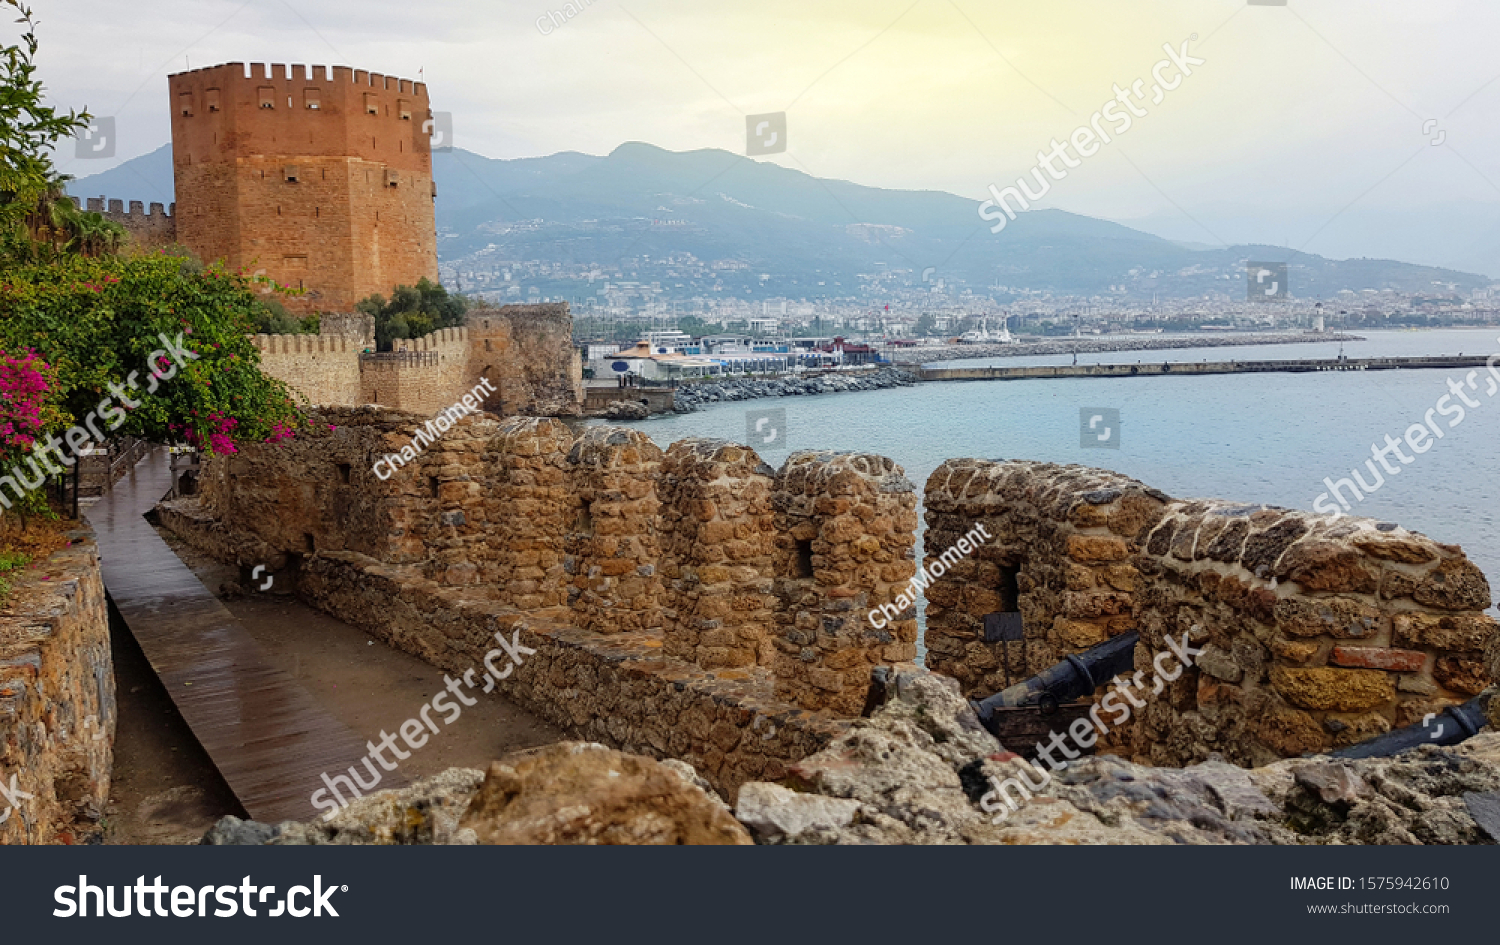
583 793
922 770
567 793
424 812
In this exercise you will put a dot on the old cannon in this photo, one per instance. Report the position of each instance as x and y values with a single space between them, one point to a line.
1449 727
1056 688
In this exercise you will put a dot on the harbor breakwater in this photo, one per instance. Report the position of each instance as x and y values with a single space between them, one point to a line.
1101 344
1195 368
691 397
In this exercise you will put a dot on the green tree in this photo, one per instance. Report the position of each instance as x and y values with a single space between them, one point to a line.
926 325
272 318
97 321
413 311
697 327
29 185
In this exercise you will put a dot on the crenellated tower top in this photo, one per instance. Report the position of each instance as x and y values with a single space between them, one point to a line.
235 110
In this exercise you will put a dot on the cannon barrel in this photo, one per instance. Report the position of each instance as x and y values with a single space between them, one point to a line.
1077 676
1451 726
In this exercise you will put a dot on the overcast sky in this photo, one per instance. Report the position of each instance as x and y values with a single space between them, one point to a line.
1304 126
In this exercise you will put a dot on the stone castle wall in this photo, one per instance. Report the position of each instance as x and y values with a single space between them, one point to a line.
1315 634
646 573
149 230
845 534
614 547
522 524
322 368
526 352
718 562
57 698
430 380
1060 557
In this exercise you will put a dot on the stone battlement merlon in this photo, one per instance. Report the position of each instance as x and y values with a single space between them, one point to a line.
298 72
302 344
442 338
137 212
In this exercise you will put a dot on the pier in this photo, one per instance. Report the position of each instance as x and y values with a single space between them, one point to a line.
1196 368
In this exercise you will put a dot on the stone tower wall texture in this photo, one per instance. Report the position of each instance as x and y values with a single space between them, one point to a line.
318 178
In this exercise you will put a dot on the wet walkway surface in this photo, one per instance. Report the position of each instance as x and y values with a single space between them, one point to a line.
265 733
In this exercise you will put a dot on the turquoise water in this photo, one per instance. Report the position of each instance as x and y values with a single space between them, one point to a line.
1268 438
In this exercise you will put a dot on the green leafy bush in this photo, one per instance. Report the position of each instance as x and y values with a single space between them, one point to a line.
413 311
96 321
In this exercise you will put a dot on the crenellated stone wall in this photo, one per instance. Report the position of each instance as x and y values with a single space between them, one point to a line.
424 375
845 534
717 559
613 549
1064 537
756 602
534 511
322 368
525 351
1316 634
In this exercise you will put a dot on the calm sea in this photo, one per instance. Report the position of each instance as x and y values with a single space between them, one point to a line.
1267 438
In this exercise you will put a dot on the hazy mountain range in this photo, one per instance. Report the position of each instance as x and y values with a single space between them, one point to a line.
778 232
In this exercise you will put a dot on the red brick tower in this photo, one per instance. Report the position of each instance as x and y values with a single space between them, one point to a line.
322 178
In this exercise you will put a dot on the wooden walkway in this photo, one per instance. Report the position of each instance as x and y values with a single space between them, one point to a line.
267 736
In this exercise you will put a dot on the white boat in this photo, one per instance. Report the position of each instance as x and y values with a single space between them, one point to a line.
983 336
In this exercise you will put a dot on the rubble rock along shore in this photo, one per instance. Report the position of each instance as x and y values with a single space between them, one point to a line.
1104 343
918 772
692 397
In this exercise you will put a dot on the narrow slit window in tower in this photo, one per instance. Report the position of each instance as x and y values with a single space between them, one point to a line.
802 565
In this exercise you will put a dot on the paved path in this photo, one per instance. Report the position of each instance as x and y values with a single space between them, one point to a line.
267 736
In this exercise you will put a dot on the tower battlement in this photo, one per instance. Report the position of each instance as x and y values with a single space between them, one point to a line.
295 72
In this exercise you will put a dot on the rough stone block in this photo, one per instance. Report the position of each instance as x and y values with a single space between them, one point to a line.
1460 675
1456 632
1093 549
1334 616
1340 690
